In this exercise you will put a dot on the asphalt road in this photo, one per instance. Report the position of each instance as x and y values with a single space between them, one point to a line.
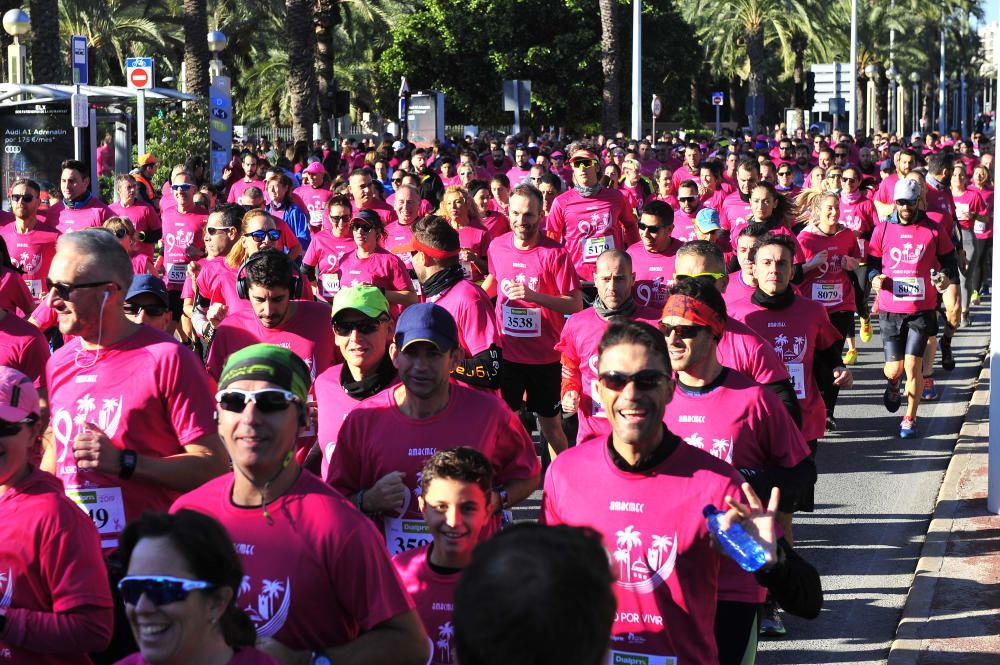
874 500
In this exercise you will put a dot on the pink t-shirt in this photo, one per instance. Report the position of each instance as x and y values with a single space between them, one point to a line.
797 332
684 226
941 209
381 268
684 173
588 226
714 200
179 231
14 294
307 332
245 656
886 188
745 351
987 196
324 253
23 347
829 284
155 411
908 253
654 275
377 438
476 238
496 224
734 214
858 213
32 253
144 218
968 205
738 290
50 564
398 234
143 265
93 213
529 331
384 211
517 175
665 566
315 203
316 573
474 315
433 593
240 186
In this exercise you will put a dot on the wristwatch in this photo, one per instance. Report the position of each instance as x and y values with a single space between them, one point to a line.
128 460
320 658
502 494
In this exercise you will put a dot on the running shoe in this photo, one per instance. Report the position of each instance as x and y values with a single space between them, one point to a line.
891 397
866 330
850 356
947 358
930 393
908 427
974 298
831 424
771 624
966 319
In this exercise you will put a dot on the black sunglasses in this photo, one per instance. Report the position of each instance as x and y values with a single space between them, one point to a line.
268 400
687 198
904 202
159 590
121 233
654 229
27 198
65 290
684 332
260 235
364 228
212 230
784 173
151 310
363 326
645 379
8 428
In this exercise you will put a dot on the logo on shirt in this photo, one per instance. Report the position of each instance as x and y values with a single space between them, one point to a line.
28 262
597 223
790 353
643 569
6 588
652 292
442 645
720 448
626 507
690 419
520 278
179 240
274 599
907 254
107 415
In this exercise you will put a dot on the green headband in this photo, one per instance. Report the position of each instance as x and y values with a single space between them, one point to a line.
267 362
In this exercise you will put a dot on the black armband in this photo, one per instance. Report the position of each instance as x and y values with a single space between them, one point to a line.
481 370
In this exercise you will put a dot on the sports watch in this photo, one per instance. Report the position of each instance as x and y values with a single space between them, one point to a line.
128 459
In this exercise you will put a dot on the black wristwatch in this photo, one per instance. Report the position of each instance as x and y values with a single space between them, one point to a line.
3 623
128 460
502 495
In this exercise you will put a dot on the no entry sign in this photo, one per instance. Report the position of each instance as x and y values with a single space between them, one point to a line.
139 73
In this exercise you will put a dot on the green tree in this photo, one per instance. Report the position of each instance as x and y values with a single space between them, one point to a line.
300 37
46 63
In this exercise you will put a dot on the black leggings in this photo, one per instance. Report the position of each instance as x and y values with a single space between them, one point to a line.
734 630
844 322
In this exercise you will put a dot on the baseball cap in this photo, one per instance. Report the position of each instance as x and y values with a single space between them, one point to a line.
148 158
148 284
906 190
369 217
314 168
707 220
18 397
426 322
271 363
398 145
368 300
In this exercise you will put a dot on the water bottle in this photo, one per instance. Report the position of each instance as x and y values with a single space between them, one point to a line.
744 550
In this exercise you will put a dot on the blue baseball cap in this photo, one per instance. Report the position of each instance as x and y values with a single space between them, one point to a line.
707 220
426 322
148 284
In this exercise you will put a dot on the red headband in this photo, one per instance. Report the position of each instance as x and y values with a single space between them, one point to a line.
695 311
584 154
432 252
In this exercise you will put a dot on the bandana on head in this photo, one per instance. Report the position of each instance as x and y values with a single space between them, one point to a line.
433 252
695 311
271 363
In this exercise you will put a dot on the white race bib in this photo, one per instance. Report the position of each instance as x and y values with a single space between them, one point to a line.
908 288
36 288
522 321
316 217
962 211
176 272
466 269
797 372
979 227
828 294
104 505
616 657
594 247
597 410
402 535
330 284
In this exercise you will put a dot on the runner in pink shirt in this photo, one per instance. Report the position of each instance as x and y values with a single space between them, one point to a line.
249 179
384 443
23 347
496 223
320 261
121 439
905 160
54 596
973 217
370 263
457 207
690 169
665 190
688 205
14 294
589 219
79 208
144 216
535 285
653 257
31 243
400 232
636 189
456 486
125 232
364 197
317 577
710 191
736 207
314 193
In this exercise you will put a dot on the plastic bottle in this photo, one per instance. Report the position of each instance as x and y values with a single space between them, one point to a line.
744 550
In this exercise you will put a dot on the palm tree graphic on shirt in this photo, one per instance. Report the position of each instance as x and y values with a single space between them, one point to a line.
695 440
445 632
659 547
628 538
270 590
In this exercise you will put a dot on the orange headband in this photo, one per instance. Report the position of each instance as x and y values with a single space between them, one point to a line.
695 311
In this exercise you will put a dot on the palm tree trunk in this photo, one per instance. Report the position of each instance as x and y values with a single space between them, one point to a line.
302 87
756 55
46 61
326 19
610 66
196 47
877 106
734 91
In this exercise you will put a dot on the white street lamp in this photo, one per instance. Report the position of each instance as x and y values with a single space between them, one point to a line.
17 24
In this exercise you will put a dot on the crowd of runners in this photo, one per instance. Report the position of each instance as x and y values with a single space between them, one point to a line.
270 418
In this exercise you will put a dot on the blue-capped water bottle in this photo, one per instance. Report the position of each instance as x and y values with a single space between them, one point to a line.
744 550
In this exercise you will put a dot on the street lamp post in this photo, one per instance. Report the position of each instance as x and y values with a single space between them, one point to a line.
17 24
915 80
871 71
942 103
220 121
890 123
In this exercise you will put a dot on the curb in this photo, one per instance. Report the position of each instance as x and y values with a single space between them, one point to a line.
905 648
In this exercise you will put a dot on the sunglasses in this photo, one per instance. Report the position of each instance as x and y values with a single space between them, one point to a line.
680 277
684 332
27 198
151 310
654 229
64 290
258 236
466 174
397 181
784 173
8 428
849 179
834 175
645 379
212 230
687 199
182 187
121 233
159 590
363 326
268 400
583 163
340 219
364 228
904 202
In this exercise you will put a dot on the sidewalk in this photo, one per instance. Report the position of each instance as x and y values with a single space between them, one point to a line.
952 612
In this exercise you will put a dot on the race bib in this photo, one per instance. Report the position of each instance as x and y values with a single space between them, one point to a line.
330 283
908 288
979 228
36 288
828 294
522 321
176 272
962 211
597 411
105 507
466 269
797 372
402 535
316 217
616 657
862 248
594 247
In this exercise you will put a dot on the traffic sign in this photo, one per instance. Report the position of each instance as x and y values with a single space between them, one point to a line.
139 73
78 47
718 99
657 107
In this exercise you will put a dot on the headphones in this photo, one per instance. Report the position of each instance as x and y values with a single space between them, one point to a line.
243 283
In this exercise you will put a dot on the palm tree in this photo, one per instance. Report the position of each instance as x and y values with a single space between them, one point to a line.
196 47
46 63
301 40
611 65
